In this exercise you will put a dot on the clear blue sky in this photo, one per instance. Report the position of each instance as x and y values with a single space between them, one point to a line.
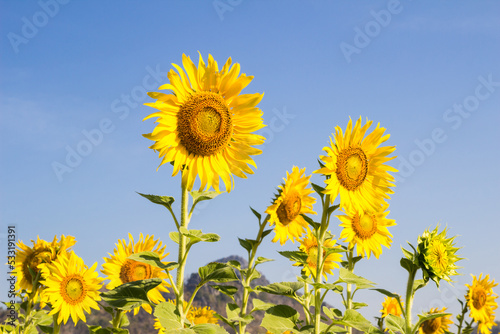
428 72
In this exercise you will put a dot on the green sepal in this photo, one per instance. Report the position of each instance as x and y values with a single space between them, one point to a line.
166 201
130 295
280 318
216 272
283 288
228 290
153 259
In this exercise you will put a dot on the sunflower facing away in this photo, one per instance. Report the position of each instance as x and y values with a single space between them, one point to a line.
309 245
391 306
120 270
437 255
205 127
195 315
36 257
437 325
293 199
356 166
71 288
481 302
367 230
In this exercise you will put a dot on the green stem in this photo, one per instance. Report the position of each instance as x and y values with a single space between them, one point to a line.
57 326
320 238
464 310
182 255
349 293
409 299
117 319
307 304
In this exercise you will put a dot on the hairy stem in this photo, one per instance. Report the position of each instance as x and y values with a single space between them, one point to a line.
409 299
182 256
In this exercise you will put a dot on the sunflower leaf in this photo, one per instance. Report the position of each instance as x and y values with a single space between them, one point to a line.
259 305
388 293
208 329
199 196
261 259
333 208
333 250
318 189
356 320
266 233
283 288
168 315
153 259
216 272
130 295
280 318
395 324
417 284
347 276
166 201
311 222
248 244
258 215
329 286
408 265
228 290
297 256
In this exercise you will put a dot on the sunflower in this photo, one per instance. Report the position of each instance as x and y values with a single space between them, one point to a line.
71 287
355 169
120 270
481 302
309 245
206 127
293 199
437 255
367 230
391 306
30 260
437 325
195 315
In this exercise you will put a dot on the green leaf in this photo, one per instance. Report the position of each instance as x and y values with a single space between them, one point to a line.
396 324
167 315
259 305
124 321
333 250
333 208
228 290
41 317
174 236
280 318
153 259
318 189
258 215
409 255
130 295
247 244
208 329
356 320
92 329
166 201
311 222
347 276
408 265
266 232
261 259
50 330
296 256
283 288
180 331
199 196
232 311
357 305
332 313
216 272
329 286
235 264
387 293
196 236
419 283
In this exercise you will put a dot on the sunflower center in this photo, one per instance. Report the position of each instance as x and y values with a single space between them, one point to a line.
352 167
204 124
365 226
289 209
134 271
438 256
478 298
431 326
33 260
73 289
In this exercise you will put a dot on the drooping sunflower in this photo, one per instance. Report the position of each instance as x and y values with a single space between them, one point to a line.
120 270
206 126
71 288
309 245
367 230
437 325
31 259
195 315
481 302
391 306
437 255
356 167
292 200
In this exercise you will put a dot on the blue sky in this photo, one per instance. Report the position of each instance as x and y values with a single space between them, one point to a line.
427 71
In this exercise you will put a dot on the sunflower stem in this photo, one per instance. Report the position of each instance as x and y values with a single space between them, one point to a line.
306 304
182 255
320 236
409 299
117 319
461 318
57 326
350 267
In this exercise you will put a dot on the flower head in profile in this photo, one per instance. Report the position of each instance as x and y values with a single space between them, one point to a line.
438 325
355 165
71 288
30 260
481 302
367 230
292 200
391 306
437 255
119 269
309 245
206 128
196 316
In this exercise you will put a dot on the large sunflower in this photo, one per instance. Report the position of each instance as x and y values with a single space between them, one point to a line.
31 259
309 245
120 270
71 288
437 325
356 167
206 127
293 199
481 302
367 230
437 255
391 306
